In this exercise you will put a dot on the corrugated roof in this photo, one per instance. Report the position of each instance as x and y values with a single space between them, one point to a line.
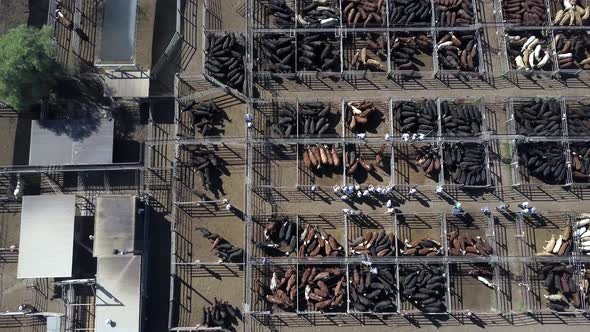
46 243
118 294
71 142
114 224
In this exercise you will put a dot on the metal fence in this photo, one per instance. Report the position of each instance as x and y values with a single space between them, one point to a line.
275 173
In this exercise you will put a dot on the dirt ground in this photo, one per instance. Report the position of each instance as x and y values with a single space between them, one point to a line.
417 227
379 122
332 224
12 14
12 128
210 283
231 124
13 291
474 225
201 249
407 172
325 176
362 225
468 293
539 229
145 33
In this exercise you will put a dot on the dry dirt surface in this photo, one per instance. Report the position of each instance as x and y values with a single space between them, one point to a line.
12 14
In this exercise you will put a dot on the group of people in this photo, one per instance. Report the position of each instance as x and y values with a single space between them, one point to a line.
389 205
406 137
524 208
350 192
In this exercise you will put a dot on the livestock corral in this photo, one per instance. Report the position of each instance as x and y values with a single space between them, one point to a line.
372 163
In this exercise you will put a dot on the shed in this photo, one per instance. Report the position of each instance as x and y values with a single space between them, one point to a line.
127 84
114 225
54 323
117 46
71 142
118 294
46 243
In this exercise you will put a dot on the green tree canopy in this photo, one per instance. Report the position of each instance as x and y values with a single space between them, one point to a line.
27 66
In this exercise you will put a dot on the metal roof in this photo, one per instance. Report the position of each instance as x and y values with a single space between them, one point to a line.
71 142
127 83
118 32
46 243
114 224
118 294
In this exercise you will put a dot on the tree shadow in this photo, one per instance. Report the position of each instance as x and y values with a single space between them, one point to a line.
78 128
126 120
79 103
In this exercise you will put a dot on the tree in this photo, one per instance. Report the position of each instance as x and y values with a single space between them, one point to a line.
28 68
